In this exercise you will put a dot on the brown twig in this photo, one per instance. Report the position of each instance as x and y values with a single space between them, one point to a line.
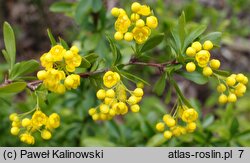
160 66
34 84
88 74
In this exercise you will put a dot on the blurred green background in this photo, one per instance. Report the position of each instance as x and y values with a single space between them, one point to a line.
85 22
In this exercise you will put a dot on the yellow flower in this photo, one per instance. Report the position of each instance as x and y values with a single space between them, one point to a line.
74 49
191 51
110 79
135 108
160 126
115 11
128 36
207 71
14 131
135 7
39 118
190 67
73 62
140 23
53 121
221 88
122 23
53 79
134 17
118 36
42 75
167 134
189 115
215 64
57 52
46 135
191 127
202 57
222 99
141 34
60 89
121 93
26 122
72 81
46 61
27 138
144 10
152 22
207 45
196 45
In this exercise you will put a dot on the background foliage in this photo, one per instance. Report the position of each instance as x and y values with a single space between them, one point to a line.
85 23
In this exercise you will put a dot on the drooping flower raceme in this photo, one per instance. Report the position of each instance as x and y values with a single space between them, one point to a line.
39 122
114 98
59 65
171 125
230 87
141 21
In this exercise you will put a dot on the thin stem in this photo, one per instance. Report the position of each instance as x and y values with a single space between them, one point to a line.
179 93
88 74
158 65
34 84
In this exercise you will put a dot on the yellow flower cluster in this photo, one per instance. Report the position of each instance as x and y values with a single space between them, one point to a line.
114 98
141 20
57 63
170 126
200 53
25 127
232 87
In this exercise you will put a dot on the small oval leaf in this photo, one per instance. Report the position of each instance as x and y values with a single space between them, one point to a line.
152 42
194 76
13 88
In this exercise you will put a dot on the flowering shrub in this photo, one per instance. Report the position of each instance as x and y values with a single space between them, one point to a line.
66 68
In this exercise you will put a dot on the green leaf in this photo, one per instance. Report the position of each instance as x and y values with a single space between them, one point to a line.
62 7
42 92
152 42
51 38
82 10
178 91
96 142
222 73
96 5
243 135
132 77
160 85
13 88
168 95
6 56
215 37
85 63
172 68
156 141
208 120
64 43
193 35
91 57
194 76
10 44
115 51
91 43
175 41
234 127
23 68
181 28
